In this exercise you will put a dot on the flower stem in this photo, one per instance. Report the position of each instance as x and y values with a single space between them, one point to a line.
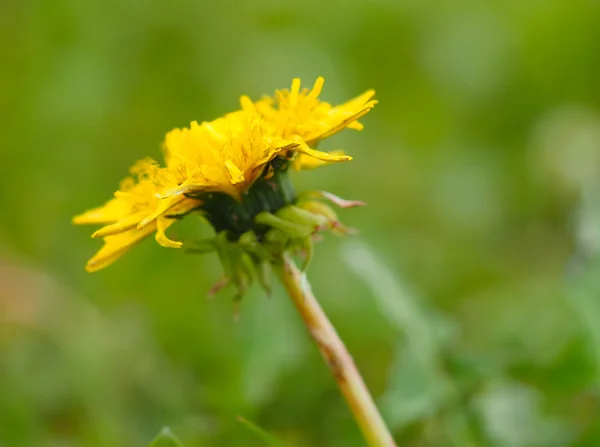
336 355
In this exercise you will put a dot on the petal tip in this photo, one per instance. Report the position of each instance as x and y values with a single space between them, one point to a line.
92 267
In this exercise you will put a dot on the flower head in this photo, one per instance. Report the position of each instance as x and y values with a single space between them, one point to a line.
231 169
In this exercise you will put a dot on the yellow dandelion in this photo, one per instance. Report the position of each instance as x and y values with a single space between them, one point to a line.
232 169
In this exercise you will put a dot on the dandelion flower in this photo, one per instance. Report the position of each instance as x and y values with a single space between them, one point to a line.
233 171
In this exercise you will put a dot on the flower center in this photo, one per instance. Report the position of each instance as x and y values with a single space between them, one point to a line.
225 213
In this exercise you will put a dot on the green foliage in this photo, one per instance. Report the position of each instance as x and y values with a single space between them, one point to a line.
470 299
269 439
166 438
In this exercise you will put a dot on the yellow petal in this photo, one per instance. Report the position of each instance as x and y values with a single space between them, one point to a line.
356 126
323 156
112 211
294 91
237 176
247 104
305 161
181 189
316 90
213 175
120 226
116 246
183 207
162 224
214 132
347 122
361 99
163 206
278 146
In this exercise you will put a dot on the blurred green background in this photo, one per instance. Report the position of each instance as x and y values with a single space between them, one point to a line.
470 300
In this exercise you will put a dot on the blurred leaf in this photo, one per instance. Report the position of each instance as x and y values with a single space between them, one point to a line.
166 438
267 357
415 390
583 287
582 293
512 417
417 386
427 330
261 433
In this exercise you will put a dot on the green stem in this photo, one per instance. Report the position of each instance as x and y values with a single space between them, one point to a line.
336 355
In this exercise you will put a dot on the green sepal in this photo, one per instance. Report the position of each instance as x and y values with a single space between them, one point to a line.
263 275
223 249
276 242
342 203
302 217
202 246
320 209
291 228
244 273
276 236
249 243
230 255
220 284
307 247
